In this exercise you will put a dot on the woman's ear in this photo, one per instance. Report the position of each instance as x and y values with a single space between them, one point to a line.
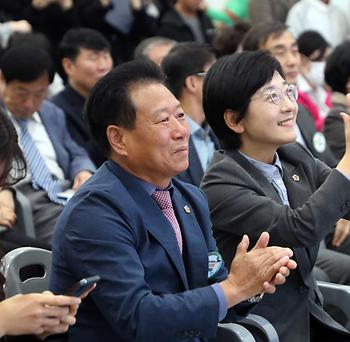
230 118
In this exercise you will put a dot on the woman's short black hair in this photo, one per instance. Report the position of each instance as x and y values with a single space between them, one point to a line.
230 84
337 72
12 162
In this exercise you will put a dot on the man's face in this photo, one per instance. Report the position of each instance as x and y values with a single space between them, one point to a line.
157 148
285 49
87 68
23 99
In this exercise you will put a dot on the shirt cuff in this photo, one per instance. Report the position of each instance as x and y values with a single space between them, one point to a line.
222 300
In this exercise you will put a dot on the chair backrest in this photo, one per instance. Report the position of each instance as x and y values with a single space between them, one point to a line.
336 301
260 327
26 270
24 223
232 332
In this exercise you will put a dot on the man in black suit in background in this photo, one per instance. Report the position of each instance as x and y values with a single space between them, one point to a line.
185 68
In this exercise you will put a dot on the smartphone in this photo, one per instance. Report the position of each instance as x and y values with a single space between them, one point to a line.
82 285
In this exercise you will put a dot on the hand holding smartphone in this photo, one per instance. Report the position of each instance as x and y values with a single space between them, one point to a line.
82 286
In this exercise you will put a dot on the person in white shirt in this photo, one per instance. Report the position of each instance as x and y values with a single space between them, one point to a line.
321 16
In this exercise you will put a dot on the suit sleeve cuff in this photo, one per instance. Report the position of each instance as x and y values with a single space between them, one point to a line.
222 300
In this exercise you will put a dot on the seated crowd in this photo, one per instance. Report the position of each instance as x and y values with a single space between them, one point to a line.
204 177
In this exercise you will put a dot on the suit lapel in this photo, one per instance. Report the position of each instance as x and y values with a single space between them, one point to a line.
195 252
296 183
160 228
154 220
257 176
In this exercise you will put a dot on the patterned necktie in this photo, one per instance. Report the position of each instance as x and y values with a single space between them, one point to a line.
163 199
41 175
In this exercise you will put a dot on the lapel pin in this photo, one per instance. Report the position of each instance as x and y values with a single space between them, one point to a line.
187 209
296 178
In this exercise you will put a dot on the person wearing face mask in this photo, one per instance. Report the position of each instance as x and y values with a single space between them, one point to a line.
313 50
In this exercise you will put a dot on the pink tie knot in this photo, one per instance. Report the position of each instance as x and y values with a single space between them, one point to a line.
163 199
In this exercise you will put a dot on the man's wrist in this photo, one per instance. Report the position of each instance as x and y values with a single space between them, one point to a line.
232 293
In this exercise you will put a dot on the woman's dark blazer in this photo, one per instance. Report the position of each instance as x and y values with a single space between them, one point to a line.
242 201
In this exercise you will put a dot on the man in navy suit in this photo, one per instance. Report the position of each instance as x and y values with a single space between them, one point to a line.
185 68
145 233
26 74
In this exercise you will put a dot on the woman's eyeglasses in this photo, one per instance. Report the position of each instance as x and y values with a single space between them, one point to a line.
276 95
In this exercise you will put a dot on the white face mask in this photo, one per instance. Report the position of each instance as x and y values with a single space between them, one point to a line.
316 73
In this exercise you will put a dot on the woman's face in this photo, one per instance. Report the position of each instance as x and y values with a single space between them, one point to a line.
270 119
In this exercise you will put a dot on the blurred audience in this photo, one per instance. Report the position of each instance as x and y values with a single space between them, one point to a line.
85 55
187 21
227 12
185 68
7 29
42 314
13 169
154 48
321 16
39 41
337 76
314 50
56 163
227 40
269 10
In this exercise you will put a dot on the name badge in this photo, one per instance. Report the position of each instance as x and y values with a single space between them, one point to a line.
214 263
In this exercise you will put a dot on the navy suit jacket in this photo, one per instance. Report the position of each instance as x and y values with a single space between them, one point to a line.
72 104
70 157
148 291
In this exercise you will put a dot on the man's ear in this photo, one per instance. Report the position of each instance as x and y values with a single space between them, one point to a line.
230 118
190 83
67 65
116 139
